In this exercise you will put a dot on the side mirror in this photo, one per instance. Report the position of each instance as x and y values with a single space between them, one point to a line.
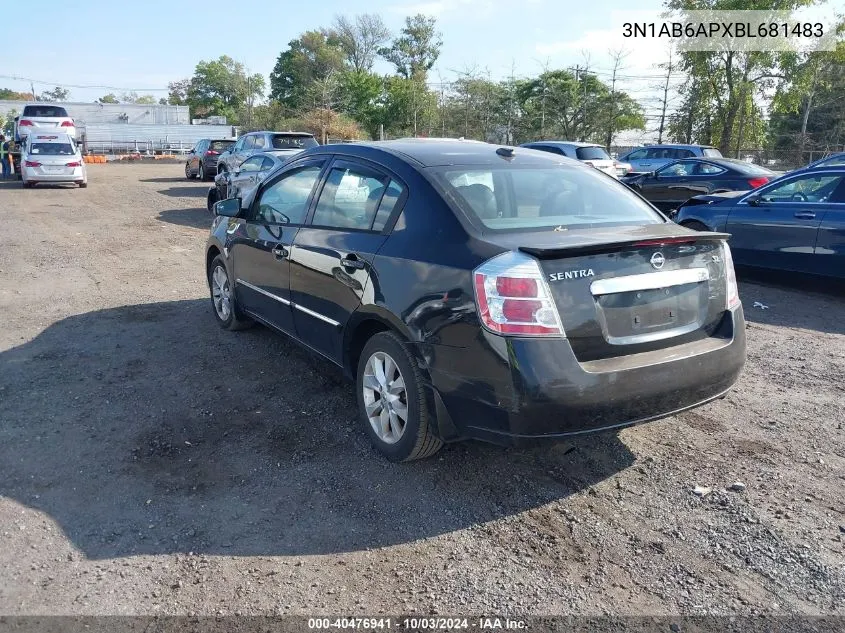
230 207
754 200
236 172
651 174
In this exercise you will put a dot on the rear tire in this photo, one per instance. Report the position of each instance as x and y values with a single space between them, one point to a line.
695 225
223 303
83 185
390 383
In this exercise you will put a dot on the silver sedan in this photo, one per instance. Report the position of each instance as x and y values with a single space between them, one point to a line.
243 180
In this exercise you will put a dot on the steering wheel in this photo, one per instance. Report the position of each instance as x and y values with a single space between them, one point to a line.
798 197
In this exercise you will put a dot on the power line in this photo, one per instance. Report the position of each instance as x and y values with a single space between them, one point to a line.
82 87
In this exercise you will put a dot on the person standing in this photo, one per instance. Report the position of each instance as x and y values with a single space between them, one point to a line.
5 157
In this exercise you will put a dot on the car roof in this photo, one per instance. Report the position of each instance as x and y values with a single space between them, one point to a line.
426 153
675 146
275 132
570 143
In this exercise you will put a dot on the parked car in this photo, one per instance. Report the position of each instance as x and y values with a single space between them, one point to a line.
255 142
477 291
44 118
670 186
250 173
652 157
52 158
590 153
201 161
795 223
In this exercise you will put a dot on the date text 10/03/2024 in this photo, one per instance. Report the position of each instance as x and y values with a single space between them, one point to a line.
418 623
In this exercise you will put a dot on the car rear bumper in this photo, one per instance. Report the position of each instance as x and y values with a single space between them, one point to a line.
78 175
537 389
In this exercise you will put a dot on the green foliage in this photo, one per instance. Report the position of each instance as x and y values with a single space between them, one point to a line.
310 58
9 123
220 87
10 95
56 94
109 98
416 49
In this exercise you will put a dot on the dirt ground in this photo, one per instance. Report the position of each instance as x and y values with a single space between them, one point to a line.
152 463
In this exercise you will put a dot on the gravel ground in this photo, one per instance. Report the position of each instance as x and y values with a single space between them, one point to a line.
153 463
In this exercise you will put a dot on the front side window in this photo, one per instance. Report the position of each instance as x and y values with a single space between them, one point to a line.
677 169
240 144
350 199
252 164
286 200
640 154
511 198
804 189
267 163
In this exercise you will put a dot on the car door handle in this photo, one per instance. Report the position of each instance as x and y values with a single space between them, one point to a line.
352 261
280 252
805 215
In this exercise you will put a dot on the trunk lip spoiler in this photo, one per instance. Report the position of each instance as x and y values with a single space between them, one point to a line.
559 251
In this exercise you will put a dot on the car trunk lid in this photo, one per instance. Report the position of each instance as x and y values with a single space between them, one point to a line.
620 292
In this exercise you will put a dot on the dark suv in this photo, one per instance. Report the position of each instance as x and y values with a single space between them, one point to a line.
476 291
254 142
201 161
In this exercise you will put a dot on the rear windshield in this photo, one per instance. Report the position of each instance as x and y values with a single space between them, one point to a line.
591 153
44 111
712 152
52 149
284 141
221 145
514 198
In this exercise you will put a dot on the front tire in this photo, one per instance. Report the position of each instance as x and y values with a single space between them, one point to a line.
223 303
392 400
201 172
212 197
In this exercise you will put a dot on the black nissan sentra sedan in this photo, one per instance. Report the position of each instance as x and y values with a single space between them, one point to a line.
477 291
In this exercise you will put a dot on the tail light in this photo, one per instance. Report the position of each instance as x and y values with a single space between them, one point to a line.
73 164
513 297
25 123
731 288
67 124
757 182
31 163
212 152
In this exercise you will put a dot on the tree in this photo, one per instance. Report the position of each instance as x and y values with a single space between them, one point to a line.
223 87
311 57
56 94
10 95
733 76
361 94
178 94
109 98
133 97
416 49
9 123
360 39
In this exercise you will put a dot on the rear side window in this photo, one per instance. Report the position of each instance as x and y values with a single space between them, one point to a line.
350 199
258 142
387 205
591 153
286 141
637 155
516 198
712 152
52 149
44 111
683 153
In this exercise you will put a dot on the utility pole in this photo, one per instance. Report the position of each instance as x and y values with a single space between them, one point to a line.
669 69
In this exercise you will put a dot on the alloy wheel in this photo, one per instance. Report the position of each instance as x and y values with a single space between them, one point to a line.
221 293
385 397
